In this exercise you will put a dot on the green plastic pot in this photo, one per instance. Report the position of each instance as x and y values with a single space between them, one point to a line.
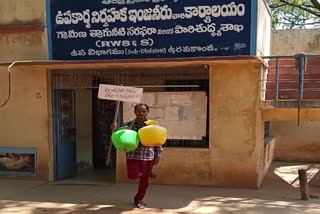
125 139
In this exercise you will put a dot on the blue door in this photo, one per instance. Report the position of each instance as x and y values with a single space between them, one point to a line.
64 134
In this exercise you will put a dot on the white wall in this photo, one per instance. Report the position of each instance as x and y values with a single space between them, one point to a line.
182 113
264 29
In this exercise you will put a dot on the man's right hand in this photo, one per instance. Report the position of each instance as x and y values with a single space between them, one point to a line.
156 161
114 126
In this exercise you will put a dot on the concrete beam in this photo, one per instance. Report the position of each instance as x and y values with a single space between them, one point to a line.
290 114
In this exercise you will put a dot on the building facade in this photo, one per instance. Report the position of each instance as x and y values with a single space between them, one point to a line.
198 64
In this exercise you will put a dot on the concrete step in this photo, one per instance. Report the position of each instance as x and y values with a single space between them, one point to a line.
315 180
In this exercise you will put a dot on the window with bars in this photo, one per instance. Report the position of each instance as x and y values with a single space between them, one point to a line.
162 79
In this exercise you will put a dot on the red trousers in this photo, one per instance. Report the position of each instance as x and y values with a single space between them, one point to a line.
140 169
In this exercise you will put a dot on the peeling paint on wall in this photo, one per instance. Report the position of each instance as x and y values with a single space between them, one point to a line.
290 42
23 46
314 44
17 12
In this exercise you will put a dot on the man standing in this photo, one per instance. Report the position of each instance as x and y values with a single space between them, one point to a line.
140 161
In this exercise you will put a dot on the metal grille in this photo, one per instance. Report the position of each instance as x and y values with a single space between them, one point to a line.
291 78
151 79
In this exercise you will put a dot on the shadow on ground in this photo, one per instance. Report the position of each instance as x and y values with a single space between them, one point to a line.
275 196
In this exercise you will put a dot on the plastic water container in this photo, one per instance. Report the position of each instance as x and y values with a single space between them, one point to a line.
152 134
125 139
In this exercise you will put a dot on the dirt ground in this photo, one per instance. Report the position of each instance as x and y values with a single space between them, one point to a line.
276 195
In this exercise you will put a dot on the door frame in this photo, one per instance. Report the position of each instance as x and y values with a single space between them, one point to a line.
55 137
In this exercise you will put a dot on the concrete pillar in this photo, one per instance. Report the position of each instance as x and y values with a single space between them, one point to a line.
236 134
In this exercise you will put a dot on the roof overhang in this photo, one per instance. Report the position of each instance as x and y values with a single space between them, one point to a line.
99 64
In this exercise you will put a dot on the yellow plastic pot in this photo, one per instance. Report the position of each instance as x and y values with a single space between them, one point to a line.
152 134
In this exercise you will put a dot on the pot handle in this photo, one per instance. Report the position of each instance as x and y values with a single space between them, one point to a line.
123 127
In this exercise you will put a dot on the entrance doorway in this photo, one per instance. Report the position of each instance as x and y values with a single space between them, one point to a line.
81 130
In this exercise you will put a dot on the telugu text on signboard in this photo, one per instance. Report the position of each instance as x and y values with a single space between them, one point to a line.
135 29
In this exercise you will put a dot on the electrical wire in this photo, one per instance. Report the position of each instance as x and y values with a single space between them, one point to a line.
9 85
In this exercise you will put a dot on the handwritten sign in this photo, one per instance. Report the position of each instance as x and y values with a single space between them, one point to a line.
138 29
120 93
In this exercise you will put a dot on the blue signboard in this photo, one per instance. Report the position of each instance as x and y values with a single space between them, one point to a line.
136 29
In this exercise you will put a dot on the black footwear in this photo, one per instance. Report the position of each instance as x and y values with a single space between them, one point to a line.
139 204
